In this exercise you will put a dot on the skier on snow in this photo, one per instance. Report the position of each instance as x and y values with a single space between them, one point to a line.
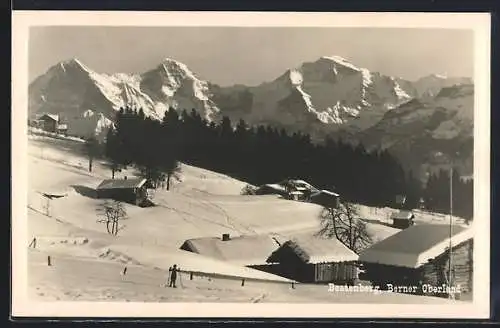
173 275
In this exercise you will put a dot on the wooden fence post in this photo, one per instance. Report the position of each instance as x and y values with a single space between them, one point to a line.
191 276
242 282
48 261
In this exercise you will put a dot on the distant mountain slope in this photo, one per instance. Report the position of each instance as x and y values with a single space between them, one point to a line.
327 97
432 132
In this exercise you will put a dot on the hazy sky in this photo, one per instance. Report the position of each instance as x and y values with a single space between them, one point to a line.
229 55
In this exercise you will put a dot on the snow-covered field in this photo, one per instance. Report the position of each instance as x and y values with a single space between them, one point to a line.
86 262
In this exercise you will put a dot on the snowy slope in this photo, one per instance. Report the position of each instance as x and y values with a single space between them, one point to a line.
87 262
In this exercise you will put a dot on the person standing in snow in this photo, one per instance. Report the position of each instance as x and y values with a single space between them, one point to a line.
173 275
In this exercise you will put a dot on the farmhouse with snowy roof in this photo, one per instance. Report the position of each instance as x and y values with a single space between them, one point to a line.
127 190
310 259
246 250
419 256
50 123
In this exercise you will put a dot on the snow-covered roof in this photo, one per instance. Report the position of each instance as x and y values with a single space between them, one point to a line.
312 249
121 183
274 186
54 117
244 250
331 193
415 245
402 215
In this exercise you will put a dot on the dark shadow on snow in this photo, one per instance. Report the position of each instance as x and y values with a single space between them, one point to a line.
85 191
379 222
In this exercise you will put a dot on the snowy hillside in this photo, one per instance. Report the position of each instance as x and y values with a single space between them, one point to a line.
86 262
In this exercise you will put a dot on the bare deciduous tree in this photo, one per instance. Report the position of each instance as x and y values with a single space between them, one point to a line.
112 212
345 224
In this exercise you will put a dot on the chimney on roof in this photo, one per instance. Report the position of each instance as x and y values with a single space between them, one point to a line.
225 237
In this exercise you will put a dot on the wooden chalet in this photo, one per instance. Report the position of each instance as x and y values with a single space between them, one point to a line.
403 219
419 256
49 122
326 198
310 259
127 190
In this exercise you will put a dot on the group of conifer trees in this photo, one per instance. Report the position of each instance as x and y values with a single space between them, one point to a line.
438 198
257 155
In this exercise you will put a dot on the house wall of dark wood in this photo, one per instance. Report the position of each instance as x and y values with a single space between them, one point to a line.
133 196
295 267
434 273
326 200
49 125
338 272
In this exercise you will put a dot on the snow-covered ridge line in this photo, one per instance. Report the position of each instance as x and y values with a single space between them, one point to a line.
342 61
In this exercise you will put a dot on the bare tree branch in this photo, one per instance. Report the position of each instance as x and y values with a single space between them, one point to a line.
344 224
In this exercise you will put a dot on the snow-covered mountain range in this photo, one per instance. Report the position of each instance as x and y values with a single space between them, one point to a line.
329 96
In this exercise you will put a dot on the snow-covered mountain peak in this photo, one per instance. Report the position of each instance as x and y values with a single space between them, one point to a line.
72 64
172 66
296 77
341 61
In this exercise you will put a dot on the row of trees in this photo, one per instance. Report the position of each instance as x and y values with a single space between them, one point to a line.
147 143
255 154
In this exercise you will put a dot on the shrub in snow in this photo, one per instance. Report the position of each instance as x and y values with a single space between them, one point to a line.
248 190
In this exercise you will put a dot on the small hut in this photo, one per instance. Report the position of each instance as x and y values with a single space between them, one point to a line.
127 190
49 122
310 259
403 219
62 129
419 256
326 198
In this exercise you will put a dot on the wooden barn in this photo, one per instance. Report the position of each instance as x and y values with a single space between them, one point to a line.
272 189
403 219
326 198
246 250
419 256
310 259
132 191
49 122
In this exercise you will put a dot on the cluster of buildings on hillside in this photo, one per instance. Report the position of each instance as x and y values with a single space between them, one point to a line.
300 190
416 258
